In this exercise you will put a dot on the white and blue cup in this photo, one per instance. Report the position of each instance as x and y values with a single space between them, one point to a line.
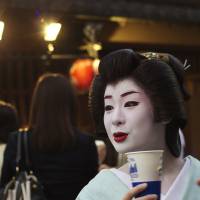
146 167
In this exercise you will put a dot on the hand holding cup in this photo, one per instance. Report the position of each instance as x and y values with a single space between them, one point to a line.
146 167
136 190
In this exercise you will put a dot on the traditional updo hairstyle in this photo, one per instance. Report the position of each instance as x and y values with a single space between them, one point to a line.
161 76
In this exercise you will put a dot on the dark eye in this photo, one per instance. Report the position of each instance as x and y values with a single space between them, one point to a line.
131 103
108 107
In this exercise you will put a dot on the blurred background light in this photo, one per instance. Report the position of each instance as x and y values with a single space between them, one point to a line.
50 47
1 29
51 31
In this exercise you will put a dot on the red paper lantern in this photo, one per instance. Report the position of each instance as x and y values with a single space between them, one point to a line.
82 73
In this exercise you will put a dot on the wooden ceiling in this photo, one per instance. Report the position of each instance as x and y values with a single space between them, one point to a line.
168 10
139 22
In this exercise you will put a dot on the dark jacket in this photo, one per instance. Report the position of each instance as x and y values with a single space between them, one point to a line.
62 174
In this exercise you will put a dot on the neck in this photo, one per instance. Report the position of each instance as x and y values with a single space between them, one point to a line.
171 165
171 168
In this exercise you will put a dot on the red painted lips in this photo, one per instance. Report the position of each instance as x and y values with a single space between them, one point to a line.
120 136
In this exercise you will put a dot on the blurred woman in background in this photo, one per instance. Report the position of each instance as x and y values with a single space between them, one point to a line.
63 158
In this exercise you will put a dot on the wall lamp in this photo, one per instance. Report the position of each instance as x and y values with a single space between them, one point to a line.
1 29
51 31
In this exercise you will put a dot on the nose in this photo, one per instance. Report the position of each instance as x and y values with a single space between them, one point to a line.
118 117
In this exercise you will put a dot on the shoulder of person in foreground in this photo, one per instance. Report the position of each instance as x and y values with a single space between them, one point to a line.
105 185
192 190
195 165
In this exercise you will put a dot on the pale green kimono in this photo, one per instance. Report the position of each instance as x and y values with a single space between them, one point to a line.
107 186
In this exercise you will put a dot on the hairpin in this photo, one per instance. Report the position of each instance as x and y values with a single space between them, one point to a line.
185 65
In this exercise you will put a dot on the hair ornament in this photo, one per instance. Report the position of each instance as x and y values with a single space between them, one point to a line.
186 65
159 56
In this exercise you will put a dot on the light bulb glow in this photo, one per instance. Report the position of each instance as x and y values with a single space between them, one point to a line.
51 31
50 47
1 29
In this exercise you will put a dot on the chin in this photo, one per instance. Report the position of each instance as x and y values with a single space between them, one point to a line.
125 150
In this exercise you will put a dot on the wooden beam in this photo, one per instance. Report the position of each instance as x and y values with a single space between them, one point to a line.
152 32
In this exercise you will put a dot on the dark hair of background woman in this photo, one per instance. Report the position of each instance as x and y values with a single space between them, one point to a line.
52 114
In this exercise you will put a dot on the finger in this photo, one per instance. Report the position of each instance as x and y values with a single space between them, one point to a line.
134 191
198 182
148 197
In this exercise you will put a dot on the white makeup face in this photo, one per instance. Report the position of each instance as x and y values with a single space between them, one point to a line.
128 118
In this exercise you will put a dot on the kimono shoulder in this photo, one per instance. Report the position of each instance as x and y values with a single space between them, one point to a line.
104 186
192 191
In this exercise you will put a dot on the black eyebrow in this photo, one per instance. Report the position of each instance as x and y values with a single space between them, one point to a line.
128 93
